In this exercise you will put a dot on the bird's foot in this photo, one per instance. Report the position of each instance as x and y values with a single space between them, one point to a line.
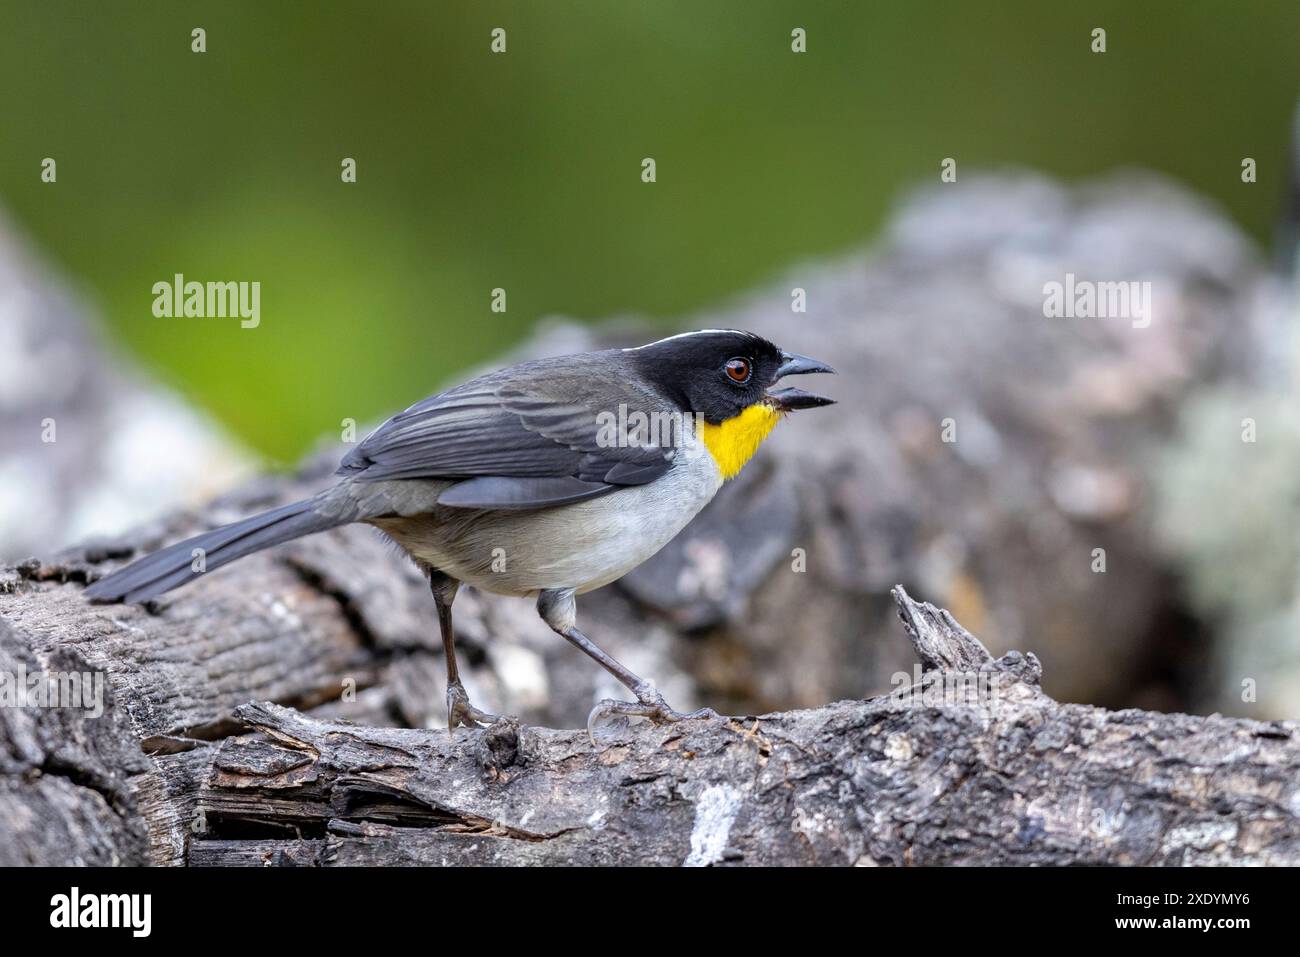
649 703
460 713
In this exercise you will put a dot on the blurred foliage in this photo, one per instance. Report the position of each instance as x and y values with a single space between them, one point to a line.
522 170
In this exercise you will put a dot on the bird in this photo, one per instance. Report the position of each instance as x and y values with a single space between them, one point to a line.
545 480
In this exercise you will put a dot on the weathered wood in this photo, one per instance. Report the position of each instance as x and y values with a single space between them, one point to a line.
64 794
1006 777
968 766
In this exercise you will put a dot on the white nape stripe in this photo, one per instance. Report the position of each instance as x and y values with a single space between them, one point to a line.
684 335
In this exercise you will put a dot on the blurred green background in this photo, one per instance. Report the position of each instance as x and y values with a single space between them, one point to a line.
522 170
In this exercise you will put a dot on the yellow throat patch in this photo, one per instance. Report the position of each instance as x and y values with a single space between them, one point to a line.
734 442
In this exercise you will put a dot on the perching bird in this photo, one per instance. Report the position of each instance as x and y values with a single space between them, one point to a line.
547 479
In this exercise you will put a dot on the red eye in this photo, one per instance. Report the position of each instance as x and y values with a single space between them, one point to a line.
738 369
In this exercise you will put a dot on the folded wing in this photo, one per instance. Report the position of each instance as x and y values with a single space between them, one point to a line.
533 436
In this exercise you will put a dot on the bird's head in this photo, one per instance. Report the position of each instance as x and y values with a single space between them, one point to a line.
727 379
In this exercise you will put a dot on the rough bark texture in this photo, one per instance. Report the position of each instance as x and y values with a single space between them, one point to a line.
950 771
66 777
972 764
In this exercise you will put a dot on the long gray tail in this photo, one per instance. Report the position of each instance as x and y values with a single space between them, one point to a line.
176 565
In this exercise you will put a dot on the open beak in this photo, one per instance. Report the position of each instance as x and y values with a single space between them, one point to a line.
790 398
794 364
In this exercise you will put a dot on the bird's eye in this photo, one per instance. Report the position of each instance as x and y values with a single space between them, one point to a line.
738 369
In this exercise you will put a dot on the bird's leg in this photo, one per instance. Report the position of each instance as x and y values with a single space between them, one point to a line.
459 710
559 610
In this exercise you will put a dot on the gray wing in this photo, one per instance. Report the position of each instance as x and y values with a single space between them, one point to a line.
528 437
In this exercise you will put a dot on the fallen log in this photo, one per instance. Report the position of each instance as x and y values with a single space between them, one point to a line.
972 764
922 776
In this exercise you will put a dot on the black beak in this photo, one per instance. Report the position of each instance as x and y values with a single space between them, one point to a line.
790 398
794 364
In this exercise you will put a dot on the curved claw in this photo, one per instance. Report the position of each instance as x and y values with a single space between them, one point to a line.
649 704
460 713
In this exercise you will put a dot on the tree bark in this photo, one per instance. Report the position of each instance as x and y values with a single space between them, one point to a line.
973 764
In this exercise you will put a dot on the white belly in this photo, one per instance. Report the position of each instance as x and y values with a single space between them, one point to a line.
582 546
